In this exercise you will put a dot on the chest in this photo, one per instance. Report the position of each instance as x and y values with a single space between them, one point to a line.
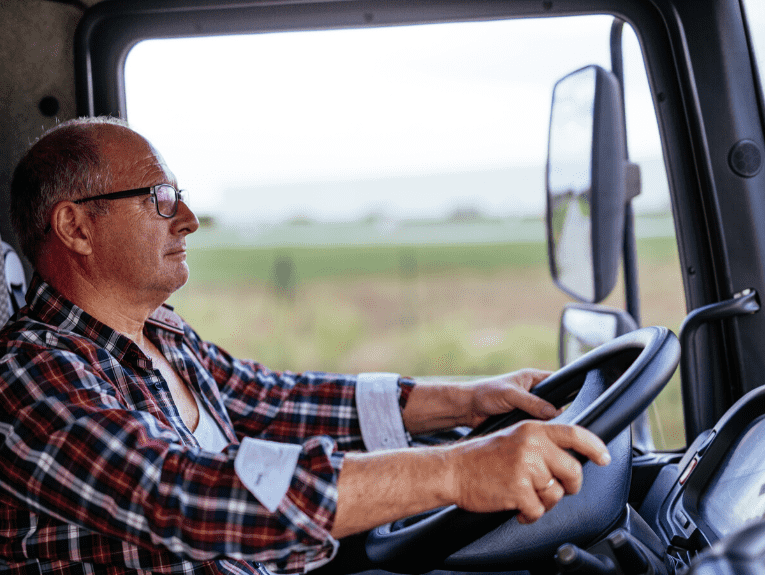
179 389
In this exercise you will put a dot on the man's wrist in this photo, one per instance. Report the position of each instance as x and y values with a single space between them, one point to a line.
435 406
450 473
462 399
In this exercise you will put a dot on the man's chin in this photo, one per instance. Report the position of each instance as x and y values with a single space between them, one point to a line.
176 280
183 277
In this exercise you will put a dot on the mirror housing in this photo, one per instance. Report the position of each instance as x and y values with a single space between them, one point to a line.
586 183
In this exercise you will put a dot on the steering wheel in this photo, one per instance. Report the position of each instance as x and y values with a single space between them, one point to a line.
611 386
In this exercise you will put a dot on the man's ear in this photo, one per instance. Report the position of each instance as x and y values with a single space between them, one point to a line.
72 226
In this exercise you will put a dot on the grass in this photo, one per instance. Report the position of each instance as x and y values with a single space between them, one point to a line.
242 266
420 310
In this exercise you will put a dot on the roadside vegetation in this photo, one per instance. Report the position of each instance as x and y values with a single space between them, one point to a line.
445 310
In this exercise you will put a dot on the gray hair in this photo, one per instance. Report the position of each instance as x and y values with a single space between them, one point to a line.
64 164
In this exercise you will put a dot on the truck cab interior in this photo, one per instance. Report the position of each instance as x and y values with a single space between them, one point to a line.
459 147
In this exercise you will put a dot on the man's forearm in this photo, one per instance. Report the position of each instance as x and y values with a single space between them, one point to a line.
377 488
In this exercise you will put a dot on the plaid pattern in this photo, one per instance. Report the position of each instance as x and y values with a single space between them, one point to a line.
98 473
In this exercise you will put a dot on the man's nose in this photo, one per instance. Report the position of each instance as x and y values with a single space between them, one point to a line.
185 219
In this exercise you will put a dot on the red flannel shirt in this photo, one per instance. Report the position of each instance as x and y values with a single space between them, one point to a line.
98 473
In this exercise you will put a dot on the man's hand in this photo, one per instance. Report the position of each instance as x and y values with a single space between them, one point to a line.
507 392
525 467
444 405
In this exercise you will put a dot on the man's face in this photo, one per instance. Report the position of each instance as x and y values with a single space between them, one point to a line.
136 251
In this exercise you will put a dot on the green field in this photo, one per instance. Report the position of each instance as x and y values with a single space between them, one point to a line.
450 310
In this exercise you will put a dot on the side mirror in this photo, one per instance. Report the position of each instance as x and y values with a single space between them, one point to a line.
586 183
583 327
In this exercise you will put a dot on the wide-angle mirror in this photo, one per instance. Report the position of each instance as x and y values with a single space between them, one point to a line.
583 327
586 185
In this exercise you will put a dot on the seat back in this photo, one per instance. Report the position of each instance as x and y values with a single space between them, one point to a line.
12 275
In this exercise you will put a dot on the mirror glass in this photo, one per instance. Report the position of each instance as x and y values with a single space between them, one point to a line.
583 330
569 182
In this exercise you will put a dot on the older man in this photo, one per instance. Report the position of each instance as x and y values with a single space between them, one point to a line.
128 443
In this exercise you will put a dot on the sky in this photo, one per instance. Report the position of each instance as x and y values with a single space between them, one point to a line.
394 121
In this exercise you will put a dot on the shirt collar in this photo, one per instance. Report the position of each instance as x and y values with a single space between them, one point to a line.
46 304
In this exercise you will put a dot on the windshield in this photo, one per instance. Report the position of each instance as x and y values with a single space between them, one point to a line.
400 122
373 199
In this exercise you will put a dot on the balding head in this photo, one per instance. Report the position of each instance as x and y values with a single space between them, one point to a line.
67 163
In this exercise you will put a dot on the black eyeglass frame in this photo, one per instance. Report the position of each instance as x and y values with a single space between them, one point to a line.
180 196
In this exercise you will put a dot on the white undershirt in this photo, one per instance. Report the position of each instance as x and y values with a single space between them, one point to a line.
208 433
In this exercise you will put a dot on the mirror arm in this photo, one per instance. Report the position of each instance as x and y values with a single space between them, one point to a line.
634 181
633 186
631 289
617 67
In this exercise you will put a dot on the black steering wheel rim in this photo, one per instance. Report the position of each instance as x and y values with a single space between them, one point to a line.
426 544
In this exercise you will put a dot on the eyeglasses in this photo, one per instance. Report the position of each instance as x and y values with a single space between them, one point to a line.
165 196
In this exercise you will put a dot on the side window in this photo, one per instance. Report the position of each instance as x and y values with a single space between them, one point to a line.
372 200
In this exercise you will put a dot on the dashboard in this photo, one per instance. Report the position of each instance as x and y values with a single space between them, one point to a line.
735 495
717 488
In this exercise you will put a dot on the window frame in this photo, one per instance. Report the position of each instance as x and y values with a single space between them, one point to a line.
108 31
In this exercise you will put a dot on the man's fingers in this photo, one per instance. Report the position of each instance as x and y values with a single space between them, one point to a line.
567 471
544 499
530 508
580 440
533 405
529 377
551 494
520 397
